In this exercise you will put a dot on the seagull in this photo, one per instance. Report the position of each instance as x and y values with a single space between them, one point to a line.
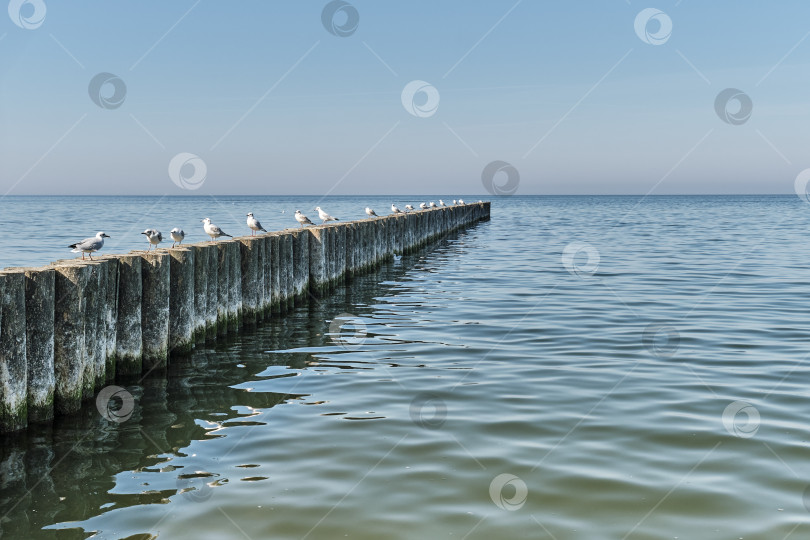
422 206
409 208
213 230
454 202
302 219
324 216
89 245
432 204
370 212
395 210
460 201
177 235
441 203
154 236
254 224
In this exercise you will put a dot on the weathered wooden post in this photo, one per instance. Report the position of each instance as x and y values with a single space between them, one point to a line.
351 249
200 255
300 240
261 278
274 240
223 288
212 294
249 270
267 280
182 318
70 280
128 335
340 253
95 330
13 360
155 309
286 263
39 327
111 316
317 260
234 287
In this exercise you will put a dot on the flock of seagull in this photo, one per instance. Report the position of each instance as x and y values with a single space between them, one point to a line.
155 237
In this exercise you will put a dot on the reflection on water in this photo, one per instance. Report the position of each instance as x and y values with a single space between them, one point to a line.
504 384
56 478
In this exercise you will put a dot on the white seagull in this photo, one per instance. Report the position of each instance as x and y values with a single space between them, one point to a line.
460 201
454 202
254 224
432 204
422 206
154 236
395 210
409 208
370 212
302 219
177 235
213 230
324 216
89 245
441 203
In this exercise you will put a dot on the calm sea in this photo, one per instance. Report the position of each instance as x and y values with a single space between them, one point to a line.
576 368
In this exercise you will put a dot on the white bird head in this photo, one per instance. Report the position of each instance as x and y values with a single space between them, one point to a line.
101 234
318 208
206 220
176 230
250 214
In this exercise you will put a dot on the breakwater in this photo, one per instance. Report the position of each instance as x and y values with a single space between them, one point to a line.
70 329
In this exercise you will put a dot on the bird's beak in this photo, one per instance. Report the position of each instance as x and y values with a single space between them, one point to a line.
141 233
106 235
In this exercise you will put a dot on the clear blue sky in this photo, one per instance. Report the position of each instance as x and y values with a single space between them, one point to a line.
273 103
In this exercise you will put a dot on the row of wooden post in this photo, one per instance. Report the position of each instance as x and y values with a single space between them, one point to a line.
73 327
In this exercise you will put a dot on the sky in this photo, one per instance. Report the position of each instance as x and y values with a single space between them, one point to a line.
418 97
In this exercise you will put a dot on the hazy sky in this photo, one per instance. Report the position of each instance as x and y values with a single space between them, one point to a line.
306 97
